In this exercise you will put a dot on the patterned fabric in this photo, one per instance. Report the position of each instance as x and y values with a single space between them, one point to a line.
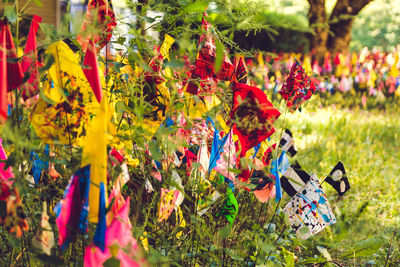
64 121
253 116
294 179
310 209
167 204
204 69
287 143
298 87
338 179
240 70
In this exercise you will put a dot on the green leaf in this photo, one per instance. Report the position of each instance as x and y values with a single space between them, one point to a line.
313 260
196 7
224 232
50 259
289 257
324 252
219 55
155 150
49 61
11 13
364 248
233 254
38 3
112 262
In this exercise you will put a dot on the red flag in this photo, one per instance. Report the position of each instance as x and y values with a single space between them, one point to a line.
298 87
13 68
10 70
91 70
31 88
252 115
105 19
204 68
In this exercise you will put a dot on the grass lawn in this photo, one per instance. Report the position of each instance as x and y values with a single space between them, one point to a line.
368 144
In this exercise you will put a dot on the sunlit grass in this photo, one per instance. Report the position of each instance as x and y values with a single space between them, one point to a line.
368 144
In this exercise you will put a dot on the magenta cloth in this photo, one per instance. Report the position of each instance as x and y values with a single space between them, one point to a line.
119 234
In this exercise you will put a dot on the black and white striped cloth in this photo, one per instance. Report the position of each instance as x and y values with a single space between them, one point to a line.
294 179
287 143
338 179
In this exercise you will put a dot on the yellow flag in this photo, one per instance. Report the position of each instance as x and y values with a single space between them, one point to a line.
307 65
62 111
95 154
394 72
166 45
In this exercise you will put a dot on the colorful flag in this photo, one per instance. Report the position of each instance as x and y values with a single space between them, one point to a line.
91 70
264 183
338 179
72 210
298 87
227 160
11 73
279 166
38 165
230 207
294 179
252 116
99 235
30 61
287 143
95 154
64 119
309 209
119 242
99 14
204 68
241 75
167 203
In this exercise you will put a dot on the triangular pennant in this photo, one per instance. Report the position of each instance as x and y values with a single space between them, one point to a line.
253 116
310 209
287 143
294 179
338 179
91 70
298 87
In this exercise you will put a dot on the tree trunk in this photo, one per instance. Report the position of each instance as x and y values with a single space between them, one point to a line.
318 20
340 23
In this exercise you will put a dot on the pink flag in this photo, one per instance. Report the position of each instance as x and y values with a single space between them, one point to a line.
119 238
